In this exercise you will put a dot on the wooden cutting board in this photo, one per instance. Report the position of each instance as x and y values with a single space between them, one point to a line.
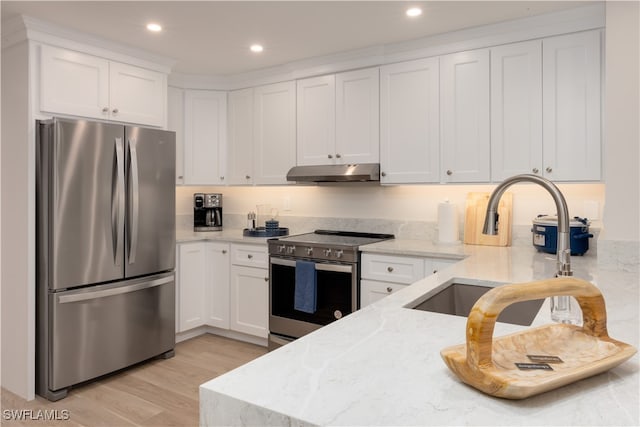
475 212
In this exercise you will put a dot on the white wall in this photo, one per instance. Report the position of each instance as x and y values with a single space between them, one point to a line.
406 202
622 122
18 294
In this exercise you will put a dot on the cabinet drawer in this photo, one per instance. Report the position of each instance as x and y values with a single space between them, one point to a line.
433 265
372 291
396 269
249 255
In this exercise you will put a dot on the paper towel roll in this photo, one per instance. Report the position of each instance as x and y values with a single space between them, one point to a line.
448 223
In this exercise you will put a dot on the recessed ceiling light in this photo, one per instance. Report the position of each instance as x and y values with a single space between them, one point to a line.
154 27
257 48
414 11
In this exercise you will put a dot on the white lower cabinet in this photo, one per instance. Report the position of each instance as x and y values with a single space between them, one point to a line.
249 300
372 290
217 284
384 274
192 281
222 285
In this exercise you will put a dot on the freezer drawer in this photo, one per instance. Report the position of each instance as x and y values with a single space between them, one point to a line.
101 329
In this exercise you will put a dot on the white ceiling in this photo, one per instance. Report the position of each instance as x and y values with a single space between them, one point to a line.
213 37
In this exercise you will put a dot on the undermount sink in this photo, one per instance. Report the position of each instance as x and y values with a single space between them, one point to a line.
457 297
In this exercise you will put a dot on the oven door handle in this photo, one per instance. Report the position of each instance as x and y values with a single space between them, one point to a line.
339 268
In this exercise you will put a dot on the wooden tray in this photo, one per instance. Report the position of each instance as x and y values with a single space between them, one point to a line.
488 364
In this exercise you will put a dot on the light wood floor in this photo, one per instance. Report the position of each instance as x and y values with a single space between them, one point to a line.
157 393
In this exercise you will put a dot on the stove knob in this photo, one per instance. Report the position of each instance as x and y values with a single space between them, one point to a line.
327 252
309 251
339 253
291 250
281 249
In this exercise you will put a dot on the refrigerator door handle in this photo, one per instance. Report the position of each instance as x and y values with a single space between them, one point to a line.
117 220
85 296
134 200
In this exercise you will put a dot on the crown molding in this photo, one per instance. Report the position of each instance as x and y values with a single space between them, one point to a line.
35 30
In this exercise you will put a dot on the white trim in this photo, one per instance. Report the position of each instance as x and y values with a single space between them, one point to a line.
47 33
238 336
574 20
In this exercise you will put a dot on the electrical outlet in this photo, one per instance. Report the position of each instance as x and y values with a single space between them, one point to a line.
286 204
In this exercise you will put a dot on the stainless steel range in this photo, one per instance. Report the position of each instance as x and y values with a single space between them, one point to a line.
314 279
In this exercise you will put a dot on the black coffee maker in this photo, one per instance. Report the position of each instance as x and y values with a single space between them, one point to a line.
207 212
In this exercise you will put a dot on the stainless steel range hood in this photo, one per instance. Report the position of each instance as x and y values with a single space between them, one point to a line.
335 173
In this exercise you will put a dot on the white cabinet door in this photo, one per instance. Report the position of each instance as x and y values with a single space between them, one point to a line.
274 132
516 109
175 122
249 298
137 95
358 117
217 291
205 137
372 291
464 113
73 83
192 289
316 120
572 110
410 122
240 133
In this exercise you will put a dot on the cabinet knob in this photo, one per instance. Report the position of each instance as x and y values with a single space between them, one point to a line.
266 279
330 156
247 177
115 111
338 156
105 110
390 269
383 174
535 170
548 169
250 256
224 251
222 178
389 289
180 177
449 172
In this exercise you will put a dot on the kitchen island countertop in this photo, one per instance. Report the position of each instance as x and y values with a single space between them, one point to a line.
381 365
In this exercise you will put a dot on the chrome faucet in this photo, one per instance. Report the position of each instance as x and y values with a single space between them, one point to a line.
560 308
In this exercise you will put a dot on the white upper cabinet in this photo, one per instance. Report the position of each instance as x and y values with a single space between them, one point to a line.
240 137
516 109
410 122
79 84
338 118
73 83
205 137
316 120
274 132
137 95
175 122
358 116
572 110
464 113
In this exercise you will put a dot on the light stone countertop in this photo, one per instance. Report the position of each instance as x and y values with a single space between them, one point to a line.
381 365
226 235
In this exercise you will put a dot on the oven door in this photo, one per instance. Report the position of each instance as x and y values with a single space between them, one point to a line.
336 296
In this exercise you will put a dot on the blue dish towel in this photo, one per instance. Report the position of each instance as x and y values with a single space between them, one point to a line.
305 295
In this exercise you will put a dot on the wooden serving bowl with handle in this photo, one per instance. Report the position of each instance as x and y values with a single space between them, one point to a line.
550 356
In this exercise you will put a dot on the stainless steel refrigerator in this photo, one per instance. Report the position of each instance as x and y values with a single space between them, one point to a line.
105 239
